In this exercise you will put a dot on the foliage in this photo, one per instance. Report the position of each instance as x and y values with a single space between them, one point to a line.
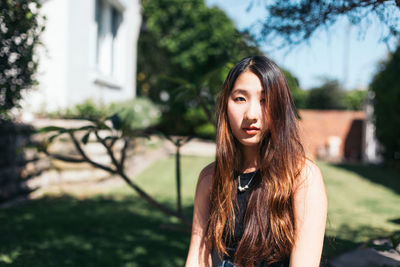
296 21
354 99
299 96
183 51
328 96
386 86
20 28
202 127
87 110
138 113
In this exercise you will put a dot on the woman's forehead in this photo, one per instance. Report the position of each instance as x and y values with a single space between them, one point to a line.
247 83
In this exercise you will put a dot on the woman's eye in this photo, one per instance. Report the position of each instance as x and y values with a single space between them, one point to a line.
239 98
262 101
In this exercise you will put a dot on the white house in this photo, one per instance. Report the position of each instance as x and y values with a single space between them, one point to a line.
90 52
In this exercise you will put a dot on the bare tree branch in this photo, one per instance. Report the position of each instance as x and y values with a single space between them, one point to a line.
85 157
110 152
143 194
297 21
66 158
119 171
123 152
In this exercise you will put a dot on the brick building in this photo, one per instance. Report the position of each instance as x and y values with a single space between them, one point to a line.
334 135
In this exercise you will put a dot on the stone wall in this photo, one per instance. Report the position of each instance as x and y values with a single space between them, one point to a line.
16 161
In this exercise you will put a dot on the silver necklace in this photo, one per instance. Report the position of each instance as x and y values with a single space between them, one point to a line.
244 188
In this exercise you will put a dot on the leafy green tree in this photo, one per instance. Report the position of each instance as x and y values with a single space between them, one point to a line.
328 96
297 21
299 95
386 86
354 99
20 29
183 54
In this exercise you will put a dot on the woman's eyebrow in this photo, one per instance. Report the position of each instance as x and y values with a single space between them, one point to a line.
244 92
240 91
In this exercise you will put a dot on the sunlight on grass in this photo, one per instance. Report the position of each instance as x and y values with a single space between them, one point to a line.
159 180
119 229
357 203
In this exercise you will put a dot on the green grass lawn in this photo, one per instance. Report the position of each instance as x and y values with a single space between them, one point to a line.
120 229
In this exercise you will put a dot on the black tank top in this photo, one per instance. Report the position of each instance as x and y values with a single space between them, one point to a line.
252 179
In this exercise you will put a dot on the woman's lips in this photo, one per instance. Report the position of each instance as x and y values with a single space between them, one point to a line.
251 130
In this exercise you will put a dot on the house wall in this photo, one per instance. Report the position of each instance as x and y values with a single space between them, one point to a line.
85 80
52 91
68 73
332 134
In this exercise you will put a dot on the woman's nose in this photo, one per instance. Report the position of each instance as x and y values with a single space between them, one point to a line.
253 111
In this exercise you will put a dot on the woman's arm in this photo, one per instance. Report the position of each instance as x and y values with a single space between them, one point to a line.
198 254
310 211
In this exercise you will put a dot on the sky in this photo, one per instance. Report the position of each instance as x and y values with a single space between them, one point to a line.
325 55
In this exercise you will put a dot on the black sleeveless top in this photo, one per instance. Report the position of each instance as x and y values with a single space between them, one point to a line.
240 211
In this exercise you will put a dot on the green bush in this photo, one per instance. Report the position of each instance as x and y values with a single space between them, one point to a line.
87 110
138 113
206 131
328 96
21 27
197 120
354 99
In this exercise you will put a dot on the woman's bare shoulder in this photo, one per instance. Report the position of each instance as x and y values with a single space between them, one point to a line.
207 172
205 178
310 174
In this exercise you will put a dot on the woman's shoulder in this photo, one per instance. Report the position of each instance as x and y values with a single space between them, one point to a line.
207 172
205 178
310 174
311 184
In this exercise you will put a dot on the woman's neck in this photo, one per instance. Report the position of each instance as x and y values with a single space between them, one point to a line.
250 159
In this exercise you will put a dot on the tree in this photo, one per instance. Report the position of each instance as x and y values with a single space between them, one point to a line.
184 48
107 132
20 29
299 95
386 86
354 99
296 21
328 96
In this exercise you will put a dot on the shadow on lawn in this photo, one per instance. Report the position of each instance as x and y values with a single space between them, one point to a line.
95 232
377 174
104 231
345 240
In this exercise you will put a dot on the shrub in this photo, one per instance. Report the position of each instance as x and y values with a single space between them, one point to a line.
197 120
138 113
386 86
20 29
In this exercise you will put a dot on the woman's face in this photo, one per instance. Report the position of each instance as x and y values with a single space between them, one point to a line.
245 109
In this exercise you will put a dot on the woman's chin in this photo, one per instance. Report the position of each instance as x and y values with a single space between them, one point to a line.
249 142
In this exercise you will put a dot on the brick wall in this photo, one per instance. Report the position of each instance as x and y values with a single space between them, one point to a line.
318 127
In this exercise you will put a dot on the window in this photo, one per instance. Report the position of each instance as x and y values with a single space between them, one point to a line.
108 20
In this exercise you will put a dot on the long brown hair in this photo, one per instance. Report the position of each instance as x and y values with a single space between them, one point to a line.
269 225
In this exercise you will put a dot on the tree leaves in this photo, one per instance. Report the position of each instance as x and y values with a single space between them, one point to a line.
293 22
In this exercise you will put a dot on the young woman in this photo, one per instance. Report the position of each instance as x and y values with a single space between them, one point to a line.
262 202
